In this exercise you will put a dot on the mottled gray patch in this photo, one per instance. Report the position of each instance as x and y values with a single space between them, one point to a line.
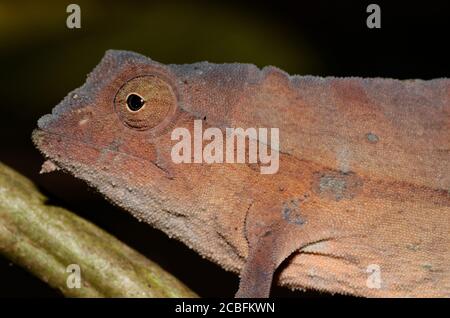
371 137
115 145
291 212
337 185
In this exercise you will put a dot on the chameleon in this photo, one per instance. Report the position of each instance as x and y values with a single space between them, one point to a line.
360 204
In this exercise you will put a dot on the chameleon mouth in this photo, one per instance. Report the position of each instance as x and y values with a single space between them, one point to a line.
62 152
74 155
43 141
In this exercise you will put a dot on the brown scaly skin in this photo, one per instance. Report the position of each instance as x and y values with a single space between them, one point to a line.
363 178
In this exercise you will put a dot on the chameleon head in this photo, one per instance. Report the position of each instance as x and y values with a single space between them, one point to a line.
115 121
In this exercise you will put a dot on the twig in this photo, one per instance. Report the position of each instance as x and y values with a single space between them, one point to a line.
47 239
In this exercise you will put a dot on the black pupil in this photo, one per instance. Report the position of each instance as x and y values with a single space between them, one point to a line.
135 102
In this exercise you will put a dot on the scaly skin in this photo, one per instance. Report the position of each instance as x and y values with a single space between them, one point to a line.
363 179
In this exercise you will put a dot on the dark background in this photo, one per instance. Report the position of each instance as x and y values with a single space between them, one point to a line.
42 60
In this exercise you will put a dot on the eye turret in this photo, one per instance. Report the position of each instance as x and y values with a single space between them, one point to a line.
145 102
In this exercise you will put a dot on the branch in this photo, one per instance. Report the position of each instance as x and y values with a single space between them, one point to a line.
46 239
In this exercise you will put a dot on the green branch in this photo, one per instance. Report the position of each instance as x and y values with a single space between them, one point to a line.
47 239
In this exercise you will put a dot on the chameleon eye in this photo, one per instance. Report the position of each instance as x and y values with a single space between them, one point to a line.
135 102
145 102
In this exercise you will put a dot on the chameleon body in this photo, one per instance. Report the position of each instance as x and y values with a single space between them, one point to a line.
361 201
